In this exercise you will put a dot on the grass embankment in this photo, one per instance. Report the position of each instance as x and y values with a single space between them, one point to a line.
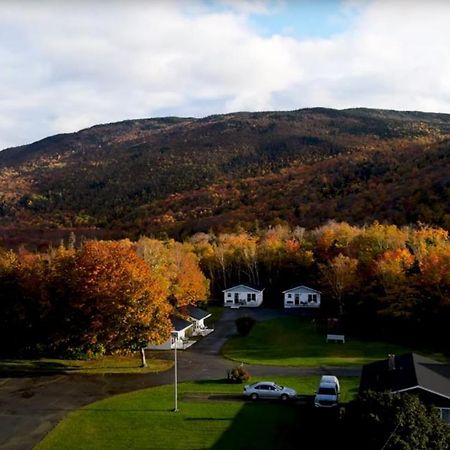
295 342
105 365
216 312
207 419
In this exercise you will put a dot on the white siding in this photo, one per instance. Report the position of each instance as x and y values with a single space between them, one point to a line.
243 296
302 297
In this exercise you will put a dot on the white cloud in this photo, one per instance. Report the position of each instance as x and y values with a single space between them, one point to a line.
69 65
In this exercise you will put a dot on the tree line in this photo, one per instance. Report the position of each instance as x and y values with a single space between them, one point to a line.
380 279
111 296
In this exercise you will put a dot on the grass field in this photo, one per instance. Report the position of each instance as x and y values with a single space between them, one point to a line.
216 312
144 419
295 342
105 365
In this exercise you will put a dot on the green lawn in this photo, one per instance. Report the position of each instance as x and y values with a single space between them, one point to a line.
143 419
216 312
108 364
295 342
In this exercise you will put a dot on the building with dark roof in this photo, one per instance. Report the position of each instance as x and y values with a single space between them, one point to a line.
179 325
196 313
197 317
411 373
181 330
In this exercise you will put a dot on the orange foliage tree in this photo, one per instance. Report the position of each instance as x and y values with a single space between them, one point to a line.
121 300
178 267
340 274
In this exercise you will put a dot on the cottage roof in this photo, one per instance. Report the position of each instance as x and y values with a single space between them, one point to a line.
195 313
302 287
246 286
410 371
179 324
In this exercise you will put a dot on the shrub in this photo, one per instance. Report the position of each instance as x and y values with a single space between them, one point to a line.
244 325
401 420
238 375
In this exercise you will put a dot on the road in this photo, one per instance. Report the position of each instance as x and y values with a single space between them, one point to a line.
31 407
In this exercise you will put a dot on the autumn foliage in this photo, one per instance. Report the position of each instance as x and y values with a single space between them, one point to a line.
109 296
384 280
102 298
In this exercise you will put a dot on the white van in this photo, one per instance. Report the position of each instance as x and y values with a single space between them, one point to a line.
328 393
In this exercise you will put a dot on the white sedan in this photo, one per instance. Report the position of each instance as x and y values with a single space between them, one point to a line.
269 390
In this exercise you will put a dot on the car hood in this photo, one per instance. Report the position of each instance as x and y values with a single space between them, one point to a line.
288 391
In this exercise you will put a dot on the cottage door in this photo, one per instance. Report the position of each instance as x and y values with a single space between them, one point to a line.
297 299
236 298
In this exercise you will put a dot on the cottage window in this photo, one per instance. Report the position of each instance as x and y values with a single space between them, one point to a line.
229 294
445 414
312 298
289 295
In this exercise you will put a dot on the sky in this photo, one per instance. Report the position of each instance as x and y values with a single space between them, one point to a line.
67 65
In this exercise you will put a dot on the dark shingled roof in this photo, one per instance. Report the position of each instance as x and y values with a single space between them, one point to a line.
179 324
196 313
411 370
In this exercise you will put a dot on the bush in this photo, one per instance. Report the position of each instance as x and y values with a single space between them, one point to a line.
238 375
402 420
244 325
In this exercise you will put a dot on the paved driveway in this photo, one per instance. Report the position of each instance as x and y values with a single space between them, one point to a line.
31 407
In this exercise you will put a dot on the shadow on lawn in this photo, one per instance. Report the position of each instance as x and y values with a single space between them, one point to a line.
13 369
215 381
281 426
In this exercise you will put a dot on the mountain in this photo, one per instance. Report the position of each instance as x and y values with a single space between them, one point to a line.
180 175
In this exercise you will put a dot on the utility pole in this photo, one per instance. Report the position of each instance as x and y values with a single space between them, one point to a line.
175 341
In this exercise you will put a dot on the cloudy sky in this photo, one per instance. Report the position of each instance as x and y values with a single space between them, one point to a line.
67 65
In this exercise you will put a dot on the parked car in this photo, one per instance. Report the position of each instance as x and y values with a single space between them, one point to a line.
328 393
269 390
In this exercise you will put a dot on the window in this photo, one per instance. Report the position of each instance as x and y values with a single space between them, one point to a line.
312 298
445 414
326 391
289 295
229 294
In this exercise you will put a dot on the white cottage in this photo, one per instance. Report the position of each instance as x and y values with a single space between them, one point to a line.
301 297
197 317
182 329
242 296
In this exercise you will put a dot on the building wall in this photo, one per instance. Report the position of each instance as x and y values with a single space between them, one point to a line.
243 298
290 297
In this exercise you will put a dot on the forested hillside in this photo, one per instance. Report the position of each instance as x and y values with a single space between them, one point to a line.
180 176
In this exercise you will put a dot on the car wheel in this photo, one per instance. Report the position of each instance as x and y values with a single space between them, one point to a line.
254 397
284 397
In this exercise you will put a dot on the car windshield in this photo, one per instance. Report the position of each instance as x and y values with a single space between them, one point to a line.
326 391
278 387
